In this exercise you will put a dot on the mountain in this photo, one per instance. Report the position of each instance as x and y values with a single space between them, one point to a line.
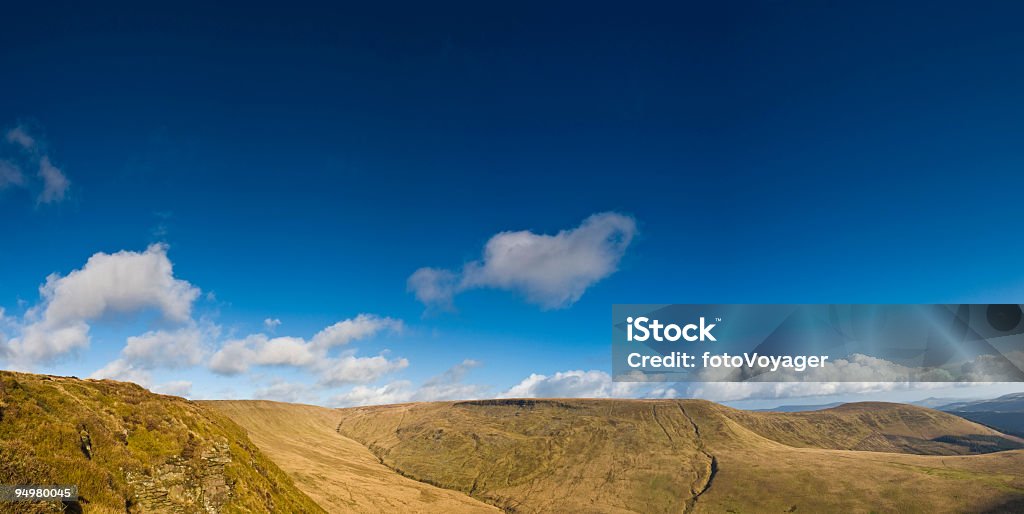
129 450
800 408
339 473
935 403
133 451
1005 413
878 427
694 456
1013 402
645 455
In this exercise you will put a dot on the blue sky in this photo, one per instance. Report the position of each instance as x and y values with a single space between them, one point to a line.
301 165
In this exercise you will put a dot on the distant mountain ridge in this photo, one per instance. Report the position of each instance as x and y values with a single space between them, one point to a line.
1013 402
800 408
1005 413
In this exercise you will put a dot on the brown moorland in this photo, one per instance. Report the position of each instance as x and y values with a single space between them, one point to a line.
132 450
339 473
692 455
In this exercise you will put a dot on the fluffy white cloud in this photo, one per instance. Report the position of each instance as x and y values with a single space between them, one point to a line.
46 341
168 349
575 384
119 283
434 287
732 391
175 388
10 174
55 183
449 386
855 368
446 386
19 136
550 270
349 369
395 392
291 392
271 324
344 332
124 371
158 349
990 368
237 356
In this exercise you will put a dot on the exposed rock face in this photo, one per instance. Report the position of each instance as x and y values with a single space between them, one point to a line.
185 484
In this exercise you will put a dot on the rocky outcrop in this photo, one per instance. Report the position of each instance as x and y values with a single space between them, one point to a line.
186 484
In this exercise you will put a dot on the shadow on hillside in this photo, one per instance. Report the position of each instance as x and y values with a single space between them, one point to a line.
1014 506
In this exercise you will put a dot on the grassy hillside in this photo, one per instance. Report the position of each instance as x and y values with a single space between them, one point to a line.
879 427
129 450
337 472
672 456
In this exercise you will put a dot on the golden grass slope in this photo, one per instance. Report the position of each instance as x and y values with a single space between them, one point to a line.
876 426
686 455
129 450
337 472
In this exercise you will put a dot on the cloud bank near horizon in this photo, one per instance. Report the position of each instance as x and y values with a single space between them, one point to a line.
143 283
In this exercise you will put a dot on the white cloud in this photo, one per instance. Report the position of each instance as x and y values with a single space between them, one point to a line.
122 370
271 324
175 388
20 136
732 391
46 341
990 368
446 386
55 183
32 154
550 270
434 287
158 349
344 332
395 392
454 374
290 392
349 369
10 174
598 384
449 386
120 283
854 368
237 356
166 349
575 384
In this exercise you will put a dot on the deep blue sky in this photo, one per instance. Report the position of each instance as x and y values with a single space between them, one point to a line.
303 161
